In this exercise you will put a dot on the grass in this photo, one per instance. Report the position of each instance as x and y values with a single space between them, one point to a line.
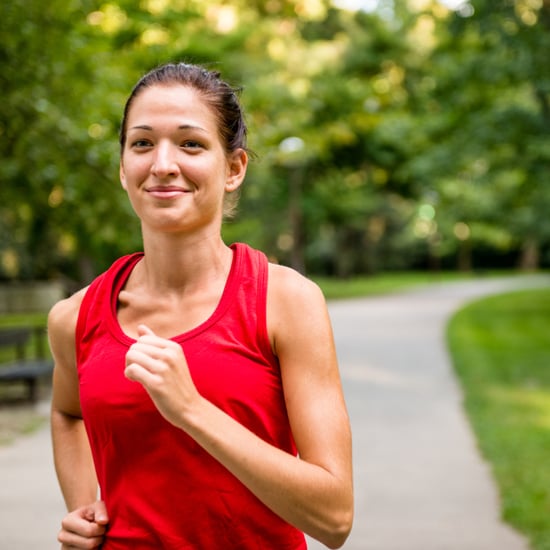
23 319
501 351
385 283
37 320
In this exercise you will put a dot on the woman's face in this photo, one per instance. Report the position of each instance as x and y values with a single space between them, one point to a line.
174 165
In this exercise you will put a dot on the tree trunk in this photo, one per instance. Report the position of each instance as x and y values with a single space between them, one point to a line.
530 255
297 256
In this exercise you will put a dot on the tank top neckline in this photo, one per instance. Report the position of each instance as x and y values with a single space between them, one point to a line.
226 298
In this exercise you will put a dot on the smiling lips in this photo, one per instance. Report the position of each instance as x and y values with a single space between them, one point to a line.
166 192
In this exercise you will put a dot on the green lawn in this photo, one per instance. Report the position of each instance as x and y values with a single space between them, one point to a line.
37 320
23 319
384 283
501 351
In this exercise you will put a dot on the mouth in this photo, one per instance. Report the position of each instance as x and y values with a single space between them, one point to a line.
166 192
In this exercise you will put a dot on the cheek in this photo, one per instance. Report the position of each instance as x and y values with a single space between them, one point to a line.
205 170
133 171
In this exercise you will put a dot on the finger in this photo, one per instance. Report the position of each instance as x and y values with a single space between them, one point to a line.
142 363
155 355
150 346
82 526
100 513
94 513
146 335
72 540
145 330
137 372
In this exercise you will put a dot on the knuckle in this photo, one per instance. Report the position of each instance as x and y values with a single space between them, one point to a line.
173 352
66 523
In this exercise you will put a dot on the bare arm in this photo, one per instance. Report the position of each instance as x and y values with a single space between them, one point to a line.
313 492
72 454
303 341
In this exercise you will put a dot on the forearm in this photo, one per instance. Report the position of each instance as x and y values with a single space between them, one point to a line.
73 460
309 496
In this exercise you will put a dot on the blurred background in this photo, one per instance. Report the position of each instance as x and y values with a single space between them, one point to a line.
388 135
391 138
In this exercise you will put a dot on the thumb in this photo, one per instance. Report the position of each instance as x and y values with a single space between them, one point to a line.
100 512
144 330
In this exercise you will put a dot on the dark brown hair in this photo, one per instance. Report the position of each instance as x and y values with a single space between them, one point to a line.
222 98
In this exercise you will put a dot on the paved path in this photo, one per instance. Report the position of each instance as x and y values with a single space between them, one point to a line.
31 506
420 482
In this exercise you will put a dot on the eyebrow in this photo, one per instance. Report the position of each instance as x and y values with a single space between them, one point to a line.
180 127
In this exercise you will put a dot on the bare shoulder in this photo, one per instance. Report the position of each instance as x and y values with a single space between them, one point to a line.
62 321
296 310
291 287
62 318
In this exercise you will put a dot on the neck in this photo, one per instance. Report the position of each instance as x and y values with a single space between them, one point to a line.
175 264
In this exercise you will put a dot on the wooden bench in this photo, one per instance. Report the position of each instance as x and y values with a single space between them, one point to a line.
19 367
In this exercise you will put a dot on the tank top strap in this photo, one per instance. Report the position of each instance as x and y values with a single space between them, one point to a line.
253 265
99 293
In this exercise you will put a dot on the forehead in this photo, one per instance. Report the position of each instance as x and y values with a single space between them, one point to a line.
171 102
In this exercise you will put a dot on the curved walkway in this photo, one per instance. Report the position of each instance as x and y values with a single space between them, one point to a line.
419 480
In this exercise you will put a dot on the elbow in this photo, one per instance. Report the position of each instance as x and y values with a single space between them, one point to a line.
336 534
339 534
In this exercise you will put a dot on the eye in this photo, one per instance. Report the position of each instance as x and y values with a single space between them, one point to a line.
191 144
141 143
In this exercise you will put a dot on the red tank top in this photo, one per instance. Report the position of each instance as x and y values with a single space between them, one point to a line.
161 489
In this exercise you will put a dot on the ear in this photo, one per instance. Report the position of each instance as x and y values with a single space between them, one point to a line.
236 169
122 176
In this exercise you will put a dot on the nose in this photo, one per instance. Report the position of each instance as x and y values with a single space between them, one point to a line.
164 161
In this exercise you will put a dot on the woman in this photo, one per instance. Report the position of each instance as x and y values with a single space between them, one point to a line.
196 399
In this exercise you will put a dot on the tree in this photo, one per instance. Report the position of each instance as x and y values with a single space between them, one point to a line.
487 124
56 184
381 140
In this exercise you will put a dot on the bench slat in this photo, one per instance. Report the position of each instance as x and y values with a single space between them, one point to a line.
23 369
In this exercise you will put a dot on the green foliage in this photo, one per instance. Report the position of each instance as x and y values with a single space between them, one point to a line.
492 85
500 349
361 123
56 191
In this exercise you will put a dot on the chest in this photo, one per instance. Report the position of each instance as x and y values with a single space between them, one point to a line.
227 369
166 316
